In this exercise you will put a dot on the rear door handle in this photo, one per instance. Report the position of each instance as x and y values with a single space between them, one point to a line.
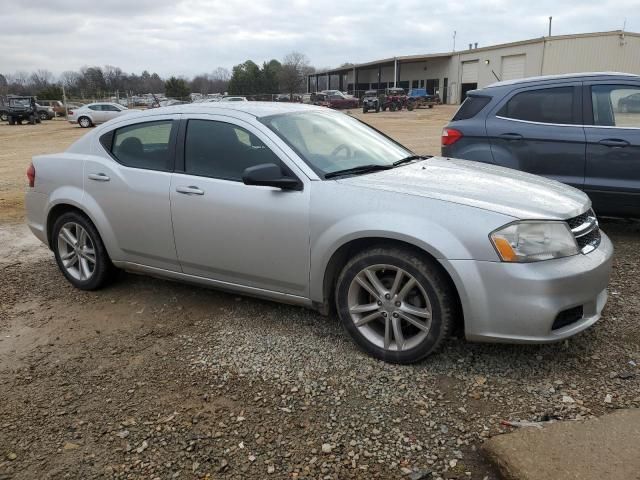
614 142
99 177
510 136
190 190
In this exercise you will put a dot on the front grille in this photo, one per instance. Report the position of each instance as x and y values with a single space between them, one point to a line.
567 317
586 231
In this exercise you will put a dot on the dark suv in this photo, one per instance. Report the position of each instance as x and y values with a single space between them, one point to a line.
580 129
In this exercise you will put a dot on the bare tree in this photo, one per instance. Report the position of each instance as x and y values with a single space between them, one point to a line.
295 68
41 79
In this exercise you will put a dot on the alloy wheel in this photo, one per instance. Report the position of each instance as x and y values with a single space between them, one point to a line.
389 307
77 251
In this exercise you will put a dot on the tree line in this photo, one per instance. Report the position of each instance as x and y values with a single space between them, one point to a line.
288 76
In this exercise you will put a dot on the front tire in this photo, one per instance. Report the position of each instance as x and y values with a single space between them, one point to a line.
396 304
365 109
84 122
80 253
4 117
44 116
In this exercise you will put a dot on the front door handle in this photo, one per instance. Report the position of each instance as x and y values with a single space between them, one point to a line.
512 137
614 142
190 190
99 177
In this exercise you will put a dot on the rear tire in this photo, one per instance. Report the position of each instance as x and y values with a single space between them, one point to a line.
406 310
32 119
4 117
84 122
12 121
410 106
365 109
377 108
392 107
80 253
44 116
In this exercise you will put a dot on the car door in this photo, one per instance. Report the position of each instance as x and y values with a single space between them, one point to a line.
97 115
612 177
254 236
127 179
539 130
110 111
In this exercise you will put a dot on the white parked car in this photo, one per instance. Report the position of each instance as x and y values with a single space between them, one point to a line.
308 206
234 99
95 113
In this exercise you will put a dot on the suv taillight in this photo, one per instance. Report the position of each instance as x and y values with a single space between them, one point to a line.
450 136
31 175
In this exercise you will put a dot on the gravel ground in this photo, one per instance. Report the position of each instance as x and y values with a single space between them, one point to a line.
152 379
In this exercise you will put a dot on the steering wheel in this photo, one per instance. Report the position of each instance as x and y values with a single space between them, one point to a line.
345 147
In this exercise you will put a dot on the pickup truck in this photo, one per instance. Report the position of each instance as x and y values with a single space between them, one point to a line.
419 97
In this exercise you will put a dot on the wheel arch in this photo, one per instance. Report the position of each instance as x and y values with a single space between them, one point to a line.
98 221
348 249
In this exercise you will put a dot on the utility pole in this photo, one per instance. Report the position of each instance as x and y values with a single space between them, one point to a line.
550 19
454 40
64 101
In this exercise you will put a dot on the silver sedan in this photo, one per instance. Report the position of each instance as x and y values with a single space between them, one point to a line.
308 206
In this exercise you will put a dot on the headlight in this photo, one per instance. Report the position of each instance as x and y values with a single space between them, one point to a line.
532 241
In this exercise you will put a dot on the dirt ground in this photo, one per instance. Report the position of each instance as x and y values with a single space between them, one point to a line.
157 380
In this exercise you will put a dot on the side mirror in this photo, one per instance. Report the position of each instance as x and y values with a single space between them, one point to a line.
269 175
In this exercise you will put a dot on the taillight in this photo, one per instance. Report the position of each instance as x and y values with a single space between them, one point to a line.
450 136
31 175
70 112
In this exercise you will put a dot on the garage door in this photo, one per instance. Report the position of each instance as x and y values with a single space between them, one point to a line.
470 72
513 67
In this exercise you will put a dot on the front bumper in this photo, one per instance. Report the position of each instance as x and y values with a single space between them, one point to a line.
518 303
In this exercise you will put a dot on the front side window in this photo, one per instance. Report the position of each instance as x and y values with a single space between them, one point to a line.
329 141
143 145
616 105
545 105
223 150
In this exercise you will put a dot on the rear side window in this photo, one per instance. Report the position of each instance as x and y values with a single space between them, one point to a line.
545 105
471 106
223 150
143 145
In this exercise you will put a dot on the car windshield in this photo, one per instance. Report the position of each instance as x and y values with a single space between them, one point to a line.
330 142
23 102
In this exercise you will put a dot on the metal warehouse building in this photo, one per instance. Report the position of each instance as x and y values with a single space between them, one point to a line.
453 74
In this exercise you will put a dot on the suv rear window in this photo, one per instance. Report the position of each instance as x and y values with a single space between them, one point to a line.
544 105
471 107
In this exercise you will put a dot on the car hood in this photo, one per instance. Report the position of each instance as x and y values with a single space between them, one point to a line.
498 189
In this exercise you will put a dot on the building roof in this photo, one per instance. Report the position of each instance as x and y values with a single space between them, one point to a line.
424 57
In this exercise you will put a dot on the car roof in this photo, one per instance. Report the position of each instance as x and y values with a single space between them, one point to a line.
565 76
256 109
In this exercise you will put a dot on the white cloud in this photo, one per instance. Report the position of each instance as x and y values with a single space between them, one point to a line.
186 37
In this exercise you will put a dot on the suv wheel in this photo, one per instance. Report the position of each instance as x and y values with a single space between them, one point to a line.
365 109
396 305
44 116
12 121
4 117
84 122
80 253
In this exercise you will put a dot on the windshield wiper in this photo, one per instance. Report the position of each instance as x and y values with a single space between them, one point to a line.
357 170
408 159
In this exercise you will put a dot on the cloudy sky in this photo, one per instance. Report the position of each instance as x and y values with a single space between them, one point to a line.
187 37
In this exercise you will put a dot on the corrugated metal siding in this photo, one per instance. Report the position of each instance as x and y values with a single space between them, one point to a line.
592 54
